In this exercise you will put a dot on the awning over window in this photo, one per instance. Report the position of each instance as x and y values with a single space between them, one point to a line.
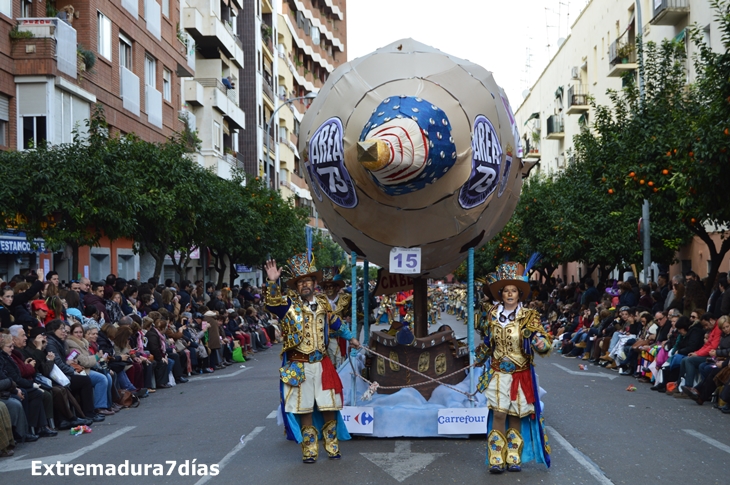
18 244
533 116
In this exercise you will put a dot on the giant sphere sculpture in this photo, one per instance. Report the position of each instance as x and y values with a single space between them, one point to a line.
411 147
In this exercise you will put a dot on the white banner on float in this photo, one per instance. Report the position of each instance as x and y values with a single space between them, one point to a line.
463 420
359 420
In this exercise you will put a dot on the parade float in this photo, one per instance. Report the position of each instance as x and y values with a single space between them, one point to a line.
414 161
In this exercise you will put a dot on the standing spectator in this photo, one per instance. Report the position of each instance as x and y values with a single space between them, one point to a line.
645 299
185 299
84 289
23 295
725 299
676 279
52 277
129 305
96 299
695 299
715 300
6 299
113 306
676 297
591 294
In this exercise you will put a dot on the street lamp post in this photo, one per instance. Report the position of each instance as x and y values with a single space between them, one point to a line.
646 242
267 126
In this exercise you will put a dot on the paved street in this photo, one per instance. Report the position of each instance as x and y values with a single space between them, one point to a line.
599 433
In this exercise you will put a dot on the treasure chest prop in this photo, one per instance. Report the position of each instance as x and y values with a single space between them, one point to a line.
435 355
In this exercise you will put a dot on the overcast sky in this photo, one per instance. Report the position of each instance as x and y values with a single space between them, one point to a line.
492 33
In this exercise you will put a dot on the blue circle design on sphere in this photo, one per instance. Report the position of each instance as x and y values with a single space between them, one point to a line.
433 123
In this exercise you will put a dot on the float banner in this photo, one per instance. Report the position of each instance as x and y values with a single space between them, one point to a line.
359 420
463 420
388 283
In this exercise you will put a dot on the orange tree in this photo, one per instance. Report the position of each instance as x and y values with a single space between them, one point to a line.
631 153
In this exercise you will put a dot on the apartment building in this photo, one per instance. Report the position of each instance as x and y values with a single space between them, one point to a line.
311 40
211 100
59 59
601 47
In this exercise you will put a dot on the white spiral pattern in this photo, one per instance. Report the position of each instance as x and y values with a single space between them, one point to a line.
408 150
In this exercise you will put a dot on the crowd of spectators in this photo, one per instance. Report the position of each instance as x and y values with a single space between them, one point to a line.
673 335
79 353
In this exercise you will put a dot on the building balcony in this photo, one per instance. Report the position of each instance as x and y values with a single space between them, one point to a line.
53 39
130 91
555 128
210 31
220 99
621 57
577 99
669 12
193 92
153 105
267 88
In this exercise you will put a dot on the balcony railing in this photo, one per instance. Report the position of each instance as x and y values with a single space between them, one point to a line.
213 82
621 56
64 35
577 99
268 90
669 12
621 51
555 129
130 91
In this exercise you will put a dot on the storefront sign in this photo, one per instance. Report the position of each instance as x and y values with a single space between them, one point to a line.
17 243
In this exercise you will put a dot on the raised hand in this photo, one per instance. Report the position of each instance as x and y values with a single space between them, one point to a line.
272 272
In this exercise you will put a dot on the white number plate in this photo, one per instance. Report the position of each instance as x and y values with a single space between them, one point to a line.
405 260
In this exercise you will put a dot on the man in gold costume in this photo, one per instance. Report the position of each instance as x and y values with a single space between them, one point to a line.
512 336
311 390
339 301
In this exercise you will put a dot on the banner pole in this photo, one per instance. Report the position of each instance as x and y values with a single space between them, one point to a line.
353 323
470 320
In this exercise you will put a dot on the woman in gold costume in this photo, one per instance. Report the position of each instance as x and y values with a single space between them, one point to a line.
512 336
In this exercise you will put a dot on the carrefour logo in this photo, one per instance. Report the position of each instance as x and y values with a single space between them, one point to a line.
363 418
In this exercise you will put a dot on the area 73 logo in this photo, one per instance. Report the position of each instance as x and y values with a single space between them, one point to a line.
485 165
326 165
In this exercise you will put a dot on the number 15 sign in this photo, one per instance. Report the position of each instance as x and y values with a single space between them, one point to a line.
405 260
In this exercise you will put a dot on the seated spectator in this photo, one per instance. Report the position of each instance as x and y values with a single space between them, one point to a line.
7 440
690 338
157 346
96 299
91 318
10 396
66 410
26 391
81 385
27 368
716 361
689 366
101 381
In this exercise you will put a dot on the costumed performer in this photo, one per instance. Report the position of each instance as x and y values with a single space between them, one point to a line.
339 301
512 335
311 390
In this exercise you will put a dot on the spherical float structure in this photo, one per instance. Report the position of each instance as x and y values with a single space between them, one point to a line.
411 147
